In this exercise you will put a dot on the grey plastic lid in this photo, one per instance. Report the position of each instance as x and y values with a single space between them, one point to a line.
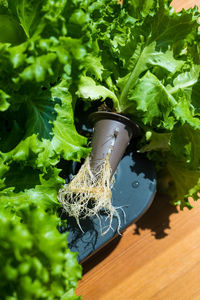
134 191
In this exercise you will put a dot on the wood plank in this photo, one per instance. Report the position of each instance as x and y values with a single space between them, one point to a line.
153 264
179 4
156 258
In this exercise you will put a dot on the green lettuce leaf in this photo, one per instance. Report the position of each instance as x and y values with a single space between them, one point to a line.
148 56
48 130
4 104
40 68
35 262
155 141
33 187
141 55
185 182
152 97
89 90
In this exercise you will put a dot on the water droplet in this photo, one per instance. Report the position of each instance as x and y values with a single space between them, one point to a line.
116 132
152 186
135 184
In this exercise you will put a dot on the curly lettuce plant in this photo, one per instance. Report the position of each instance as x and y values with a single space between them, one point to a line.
39 67
143 57
146 60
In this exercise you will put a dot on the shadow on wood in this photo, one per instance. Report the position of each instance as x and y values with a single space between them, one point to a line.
95 259
157 218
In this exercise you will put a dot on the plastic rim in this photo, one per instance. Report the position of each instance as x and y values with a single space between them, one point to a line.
96 116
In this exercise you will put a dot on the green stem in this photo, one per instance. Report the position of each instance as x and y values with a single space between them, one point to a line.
131 82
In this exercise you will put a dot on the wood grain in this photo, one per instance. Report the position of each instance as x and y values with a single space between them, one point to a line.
179 4
156 258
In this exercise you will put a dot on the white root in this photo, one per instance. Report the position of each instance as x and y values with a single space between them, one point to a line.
88 195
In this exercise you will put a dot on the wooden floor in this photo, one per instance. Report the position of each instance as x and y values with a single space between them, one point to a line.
179 4
157 258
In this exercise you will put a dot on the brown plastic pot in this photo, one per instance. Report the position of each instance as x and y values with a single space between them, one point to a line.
112 135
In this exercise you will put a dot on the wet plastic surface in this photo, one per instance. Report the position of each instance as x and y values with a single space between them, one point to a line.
134 190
